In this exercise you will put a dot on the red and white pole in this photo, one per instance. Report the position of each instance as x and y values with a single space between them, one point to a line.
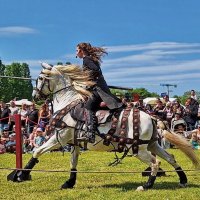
13 175
18 141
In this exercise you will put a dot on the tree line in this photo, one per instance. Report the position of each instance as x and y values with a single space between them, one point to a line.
15 88
22 89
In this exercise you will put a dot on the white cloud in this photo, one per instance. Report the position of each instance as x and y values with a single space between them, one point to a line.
16 30
170 68
153 45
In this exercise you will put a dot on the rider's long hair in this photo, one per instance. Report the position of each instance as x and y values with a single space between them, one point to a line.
94 52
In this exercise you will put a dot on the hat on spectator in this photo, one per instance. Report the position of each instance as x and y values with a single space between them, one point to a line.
5 128
39 129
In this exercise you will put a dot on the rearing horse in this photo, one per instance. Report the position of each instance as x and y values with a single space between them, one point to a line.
68 86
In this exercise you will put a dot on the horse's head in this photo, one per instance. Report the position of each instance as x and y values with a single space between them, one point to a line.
53 80
47 81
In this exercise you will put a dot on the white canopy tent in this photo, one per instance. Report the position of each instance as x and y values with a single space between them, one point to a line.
23 101
152 100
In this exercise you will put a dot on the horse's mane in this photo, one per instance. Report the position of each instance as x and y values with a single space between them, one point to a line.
79 78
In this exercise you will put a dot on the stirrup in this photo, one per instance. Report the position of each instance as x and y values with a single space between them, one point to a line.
82 139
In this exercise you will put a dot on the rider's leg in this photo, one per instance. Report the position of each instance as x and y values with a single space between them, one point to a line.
92 106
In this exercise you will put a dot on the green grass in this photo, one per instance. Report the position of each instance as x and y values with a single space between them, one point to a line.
98 186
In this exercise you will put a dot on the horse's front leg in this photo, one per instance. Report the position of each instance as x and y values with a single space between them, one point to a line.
74 162
24 175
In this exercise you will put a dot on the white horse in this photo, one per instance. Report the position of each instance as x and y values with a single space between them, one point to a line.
66 84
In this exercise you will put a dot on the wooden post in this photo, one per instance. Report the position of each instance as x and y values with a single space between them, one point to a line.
18 141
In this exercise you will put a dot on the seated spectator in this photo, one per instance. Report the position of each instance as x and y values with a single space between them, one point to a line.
177 120
197 132
2 146
39 139
11 144
5 135
194 141
178 108
31 139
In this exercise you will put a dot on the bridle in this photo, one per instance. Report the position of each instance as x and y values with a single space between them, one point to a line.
44 79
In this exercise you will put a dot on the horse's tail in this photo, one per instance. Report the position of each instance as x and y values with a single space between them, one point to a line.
183 145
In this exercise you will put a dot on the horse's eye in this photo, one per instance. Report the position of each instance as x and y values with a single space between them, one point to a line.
40 78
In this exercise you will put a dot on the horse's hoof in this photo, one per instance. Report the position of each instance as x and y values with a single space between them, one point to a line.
19 179
65 186
182 185
140 188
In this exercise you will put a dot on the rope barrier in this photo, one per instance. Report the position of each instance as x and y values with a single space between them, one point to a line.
93 172
4 118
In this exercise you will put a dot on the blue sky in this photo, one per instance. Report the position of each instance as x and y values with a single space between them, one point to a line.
149 42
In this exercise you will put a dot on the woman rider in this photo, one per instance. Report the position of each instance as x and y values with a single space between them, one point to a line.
100 92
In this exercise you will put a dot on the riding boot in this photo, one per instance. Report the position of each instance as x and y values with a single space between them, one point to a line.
92 126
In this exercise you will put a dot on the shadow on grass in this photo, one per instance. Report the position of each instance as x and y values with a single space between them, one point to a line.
157 186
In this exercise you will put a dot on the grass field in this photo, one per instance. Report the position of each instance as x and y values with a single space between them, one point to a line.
98 186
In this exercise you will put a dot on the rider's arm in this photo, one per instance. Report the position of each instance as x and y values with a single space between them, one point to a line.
90 64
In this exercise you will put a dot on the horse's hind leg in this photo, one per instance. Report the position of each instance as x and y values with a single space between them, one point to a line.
74 162
146 157
154 147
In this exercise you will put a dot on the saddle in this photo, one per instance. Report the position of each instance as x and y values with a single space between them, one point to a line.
79 113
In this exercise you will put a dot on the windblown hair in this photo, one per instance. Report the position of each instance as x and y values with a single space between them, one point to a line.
79 78
94 52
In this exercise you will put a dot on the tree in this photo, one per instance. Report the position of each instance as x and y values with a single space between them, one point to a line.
186 95
144 93
12 88
3 82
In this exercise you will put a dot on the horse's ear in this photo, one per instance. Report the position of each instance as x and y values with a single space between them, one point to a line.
46 65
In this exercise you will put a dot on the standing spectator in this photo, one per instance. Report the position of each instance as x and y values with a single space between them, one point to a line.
13 110
44 116
32 118
4 118
23 112
191 113
193 95
168 113
166 99
158 110
49 105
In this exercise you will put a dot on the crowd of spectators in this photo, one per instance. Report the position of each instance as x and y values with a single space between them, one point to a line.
181 119
33 126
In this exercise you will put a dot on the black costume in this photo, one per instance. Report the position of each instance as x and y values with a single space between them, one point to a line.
101 89
100 92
